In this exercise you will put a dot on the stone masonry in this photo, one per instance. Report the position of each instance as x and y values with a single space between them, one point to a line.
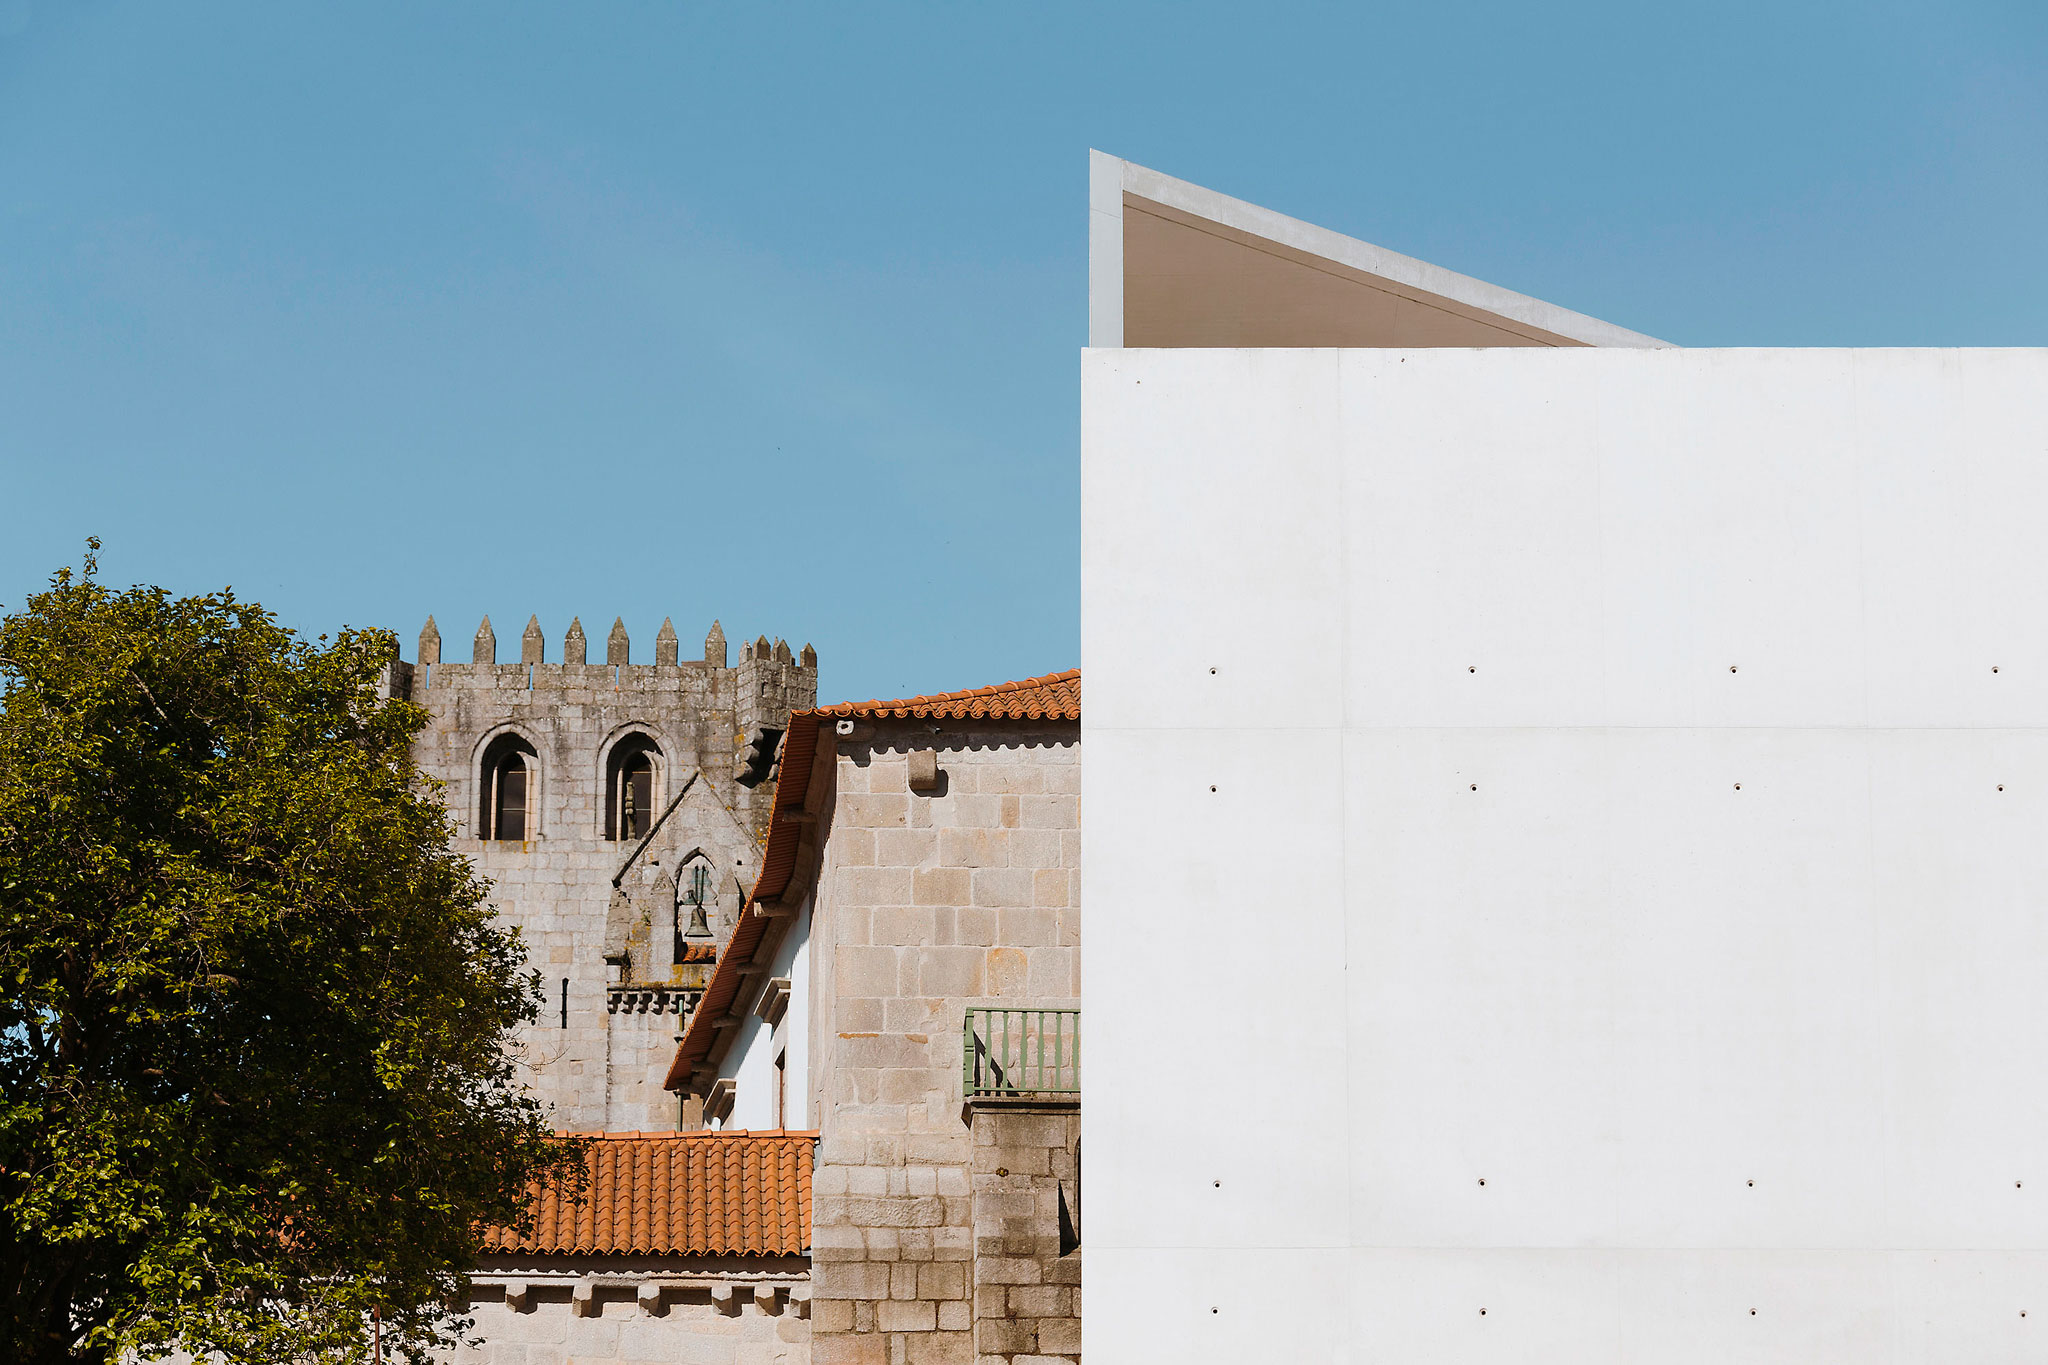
645 1311
615 989
1026 1182
963 893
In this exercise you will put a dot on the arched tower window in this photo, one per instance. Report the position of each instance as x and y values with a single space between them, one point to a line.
506 794
629 788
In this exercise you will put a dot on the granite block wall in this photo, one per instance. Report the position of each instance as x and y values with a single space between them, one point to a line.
1025 1183
595 1313
927 903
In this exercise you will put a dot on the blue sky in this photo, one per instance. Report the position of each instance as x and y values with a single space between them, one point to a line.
772 313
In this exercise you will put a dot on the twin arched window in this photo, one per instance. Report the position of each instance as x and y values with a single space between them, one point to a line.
508 788
629 788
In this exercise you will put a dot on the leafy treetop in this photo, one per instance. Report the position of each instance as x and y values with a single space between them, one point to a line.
254 1074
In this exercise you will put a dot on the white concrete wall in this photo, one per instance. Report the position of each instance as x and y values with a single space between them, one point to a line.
1583 817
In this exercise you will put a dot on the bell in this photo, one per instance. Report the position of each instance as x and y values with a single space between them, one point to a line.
698 928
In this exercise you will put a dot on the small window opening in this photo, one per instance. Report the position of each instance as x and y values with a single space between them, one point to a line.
507 789
629 805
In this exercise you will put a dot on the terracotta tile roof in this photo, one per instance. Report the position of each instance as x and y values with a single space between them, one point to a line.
1055 696
1052 696
680 1194
700 952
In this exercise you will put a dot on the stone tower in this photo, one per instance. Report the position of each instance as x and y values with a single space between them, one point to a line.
617 809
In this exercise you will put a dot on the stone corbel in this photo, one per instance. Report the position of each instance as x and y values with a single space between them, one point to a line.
719 1099
774 1001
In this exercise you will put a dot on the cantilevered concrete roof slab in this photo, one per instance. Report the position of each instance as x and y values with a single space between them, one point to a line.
1173 264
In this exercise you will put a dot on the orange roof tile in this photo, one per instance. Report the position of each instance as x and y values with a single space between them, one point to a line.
1054 696
679 1194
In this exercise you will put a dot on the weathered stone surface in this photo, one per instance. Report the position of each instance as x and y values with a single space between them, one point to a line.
594 1311
603 1070
929 903
602 1045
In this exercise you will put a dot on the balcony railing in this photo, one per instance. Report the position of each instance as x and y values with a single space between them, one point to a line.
1020 1053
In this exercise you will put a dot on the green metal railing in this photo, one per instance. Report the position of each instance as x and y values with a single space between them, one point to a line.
1020 1052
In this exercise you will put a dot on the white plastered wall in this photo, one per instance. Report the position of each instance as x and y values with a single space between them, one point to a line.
750 1059
1561 806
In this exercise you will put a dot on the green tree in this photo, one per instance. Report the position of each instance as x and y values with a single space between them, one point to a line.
255 1014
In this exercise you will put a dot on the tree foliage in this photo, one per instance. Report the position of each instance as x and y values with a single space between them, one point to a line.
254 1081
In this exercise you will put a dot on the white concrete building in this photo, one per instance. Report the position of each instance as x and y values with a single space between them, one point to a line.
1577 803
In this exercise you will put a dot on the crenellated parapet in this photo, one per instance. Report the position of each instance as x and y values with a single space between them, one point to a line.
713 713
770 666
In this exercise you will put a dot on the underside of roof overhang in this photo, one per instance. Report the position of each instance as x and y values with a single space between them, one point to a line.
1172 264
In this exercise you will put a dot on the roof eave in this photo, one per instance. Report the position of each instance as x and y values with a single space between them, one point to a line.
1111 179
